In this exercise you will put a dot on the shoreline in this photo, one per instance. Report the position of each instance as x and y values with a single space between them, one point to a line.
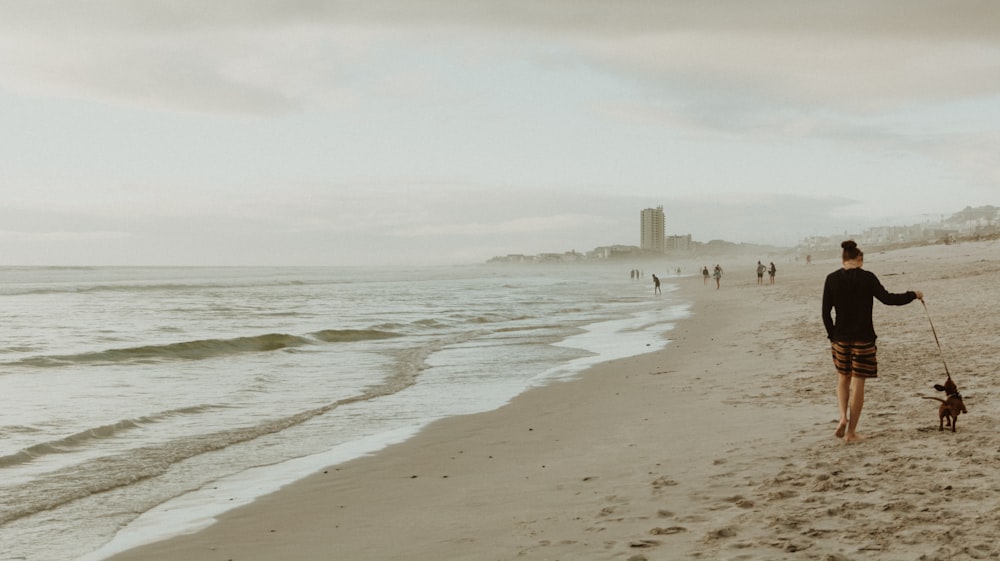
718 446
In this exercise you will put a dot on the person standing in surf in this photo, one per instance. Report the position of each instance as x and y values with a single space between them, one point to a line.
849 292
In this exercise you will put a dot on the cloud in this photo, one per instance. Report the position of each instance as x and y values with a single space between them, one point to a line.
20 236
526 225
200 72
345 127
267 57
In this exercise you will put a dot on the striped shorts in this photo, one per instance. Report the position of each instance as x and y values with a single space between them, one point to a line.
856 358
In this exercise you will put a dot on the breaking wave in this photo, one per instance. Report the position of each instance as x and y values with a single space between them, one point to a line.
187 350
352 335
85 437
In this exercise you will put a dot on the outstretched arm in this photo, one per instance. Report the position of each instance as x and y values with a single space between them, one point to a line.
895 299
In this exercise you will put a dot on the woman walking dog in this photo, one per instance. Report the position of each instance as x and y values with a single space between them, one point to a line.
849 292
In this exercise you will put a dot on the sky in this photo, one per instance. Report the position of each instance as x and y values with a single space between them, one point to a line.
409 132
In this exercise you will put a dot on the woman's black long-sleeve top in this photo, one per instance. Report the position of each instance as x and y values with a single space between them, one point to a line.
850 292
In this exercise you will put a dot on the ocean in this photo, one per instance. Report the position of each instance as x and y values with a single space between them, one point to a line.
138 403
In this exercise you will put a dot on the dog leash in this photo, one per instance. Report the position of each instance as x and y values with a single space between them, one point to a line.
934 331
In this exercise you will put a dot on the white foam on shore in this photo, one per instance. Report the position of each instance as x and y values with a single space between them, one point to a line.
199 509
615 339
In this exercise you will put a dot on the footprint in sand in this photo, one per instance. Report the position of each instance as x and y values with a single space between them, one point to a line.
608 511
720 534
668 531
662 482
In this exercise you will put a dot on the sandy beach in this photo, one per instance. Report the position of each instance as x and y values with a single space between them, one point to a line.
720 446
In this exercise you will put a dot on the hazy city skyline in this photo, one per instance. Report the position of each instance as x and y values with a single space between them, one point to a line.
386 132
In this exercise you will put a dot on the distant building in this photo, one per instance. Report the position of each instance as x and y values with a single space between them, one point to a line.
653 230
612 252
679 243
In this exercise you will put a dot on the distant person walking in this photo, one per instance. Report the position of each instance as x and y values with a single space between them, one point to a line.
849 293
656 284
771 271
704 274
717 275
760 273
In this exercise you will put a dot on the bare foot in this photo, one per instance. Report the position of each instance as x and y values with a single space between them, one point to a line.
841 429
854 438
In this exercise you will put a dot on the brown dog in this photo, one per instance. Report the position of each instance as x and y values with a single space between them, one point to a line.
951 406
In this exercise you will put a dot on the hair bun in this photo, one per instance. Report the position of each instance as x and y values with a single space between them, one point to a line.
849 244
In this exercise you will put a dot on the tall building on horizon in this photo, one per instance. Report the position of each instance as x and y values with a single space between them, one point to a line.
653 229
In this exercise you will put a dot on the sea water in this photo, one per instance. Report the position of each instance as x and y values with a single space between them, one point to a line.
136 403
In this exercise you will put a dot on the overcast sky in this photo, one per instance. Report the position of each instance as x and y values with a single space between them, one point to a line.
309 132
